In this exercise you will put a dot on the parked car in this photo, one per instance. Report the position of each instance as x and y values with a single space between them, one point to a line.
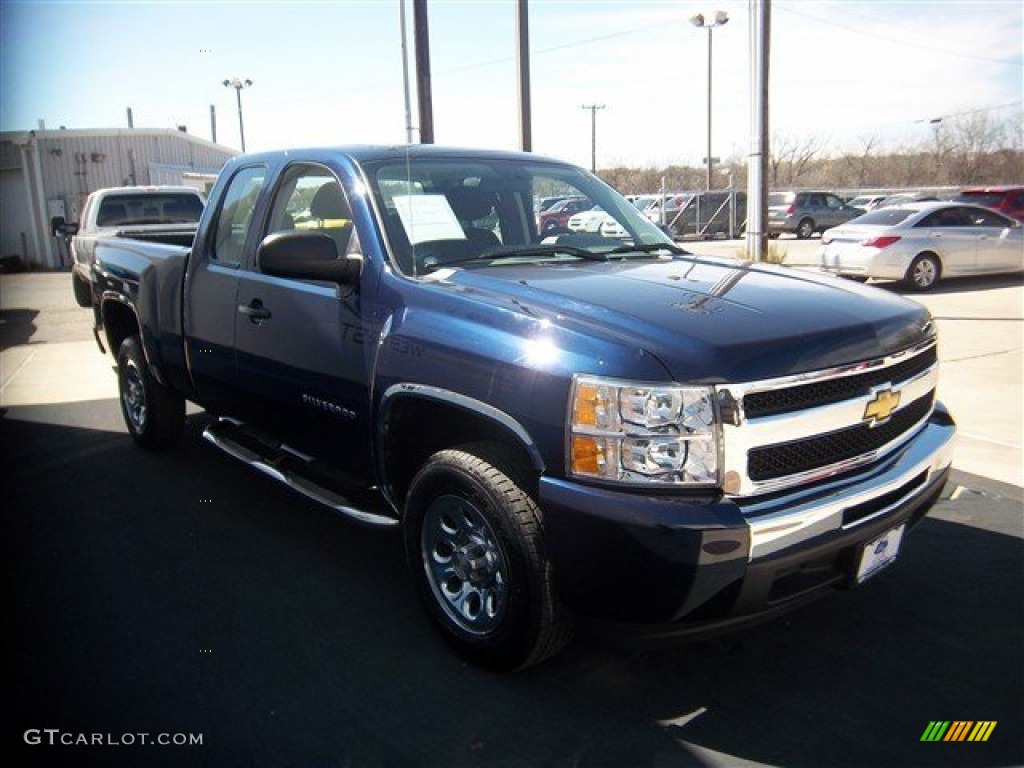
1007 200
903 198
556 218
804 213
546 202
589 220
921 242
157 213
866 202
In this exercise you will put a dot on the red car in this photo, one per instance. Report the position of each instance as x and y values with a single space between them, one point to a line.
556 218
1007 200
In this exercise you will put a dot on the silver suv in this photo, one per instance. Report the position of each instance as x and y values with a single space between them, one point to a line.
804 213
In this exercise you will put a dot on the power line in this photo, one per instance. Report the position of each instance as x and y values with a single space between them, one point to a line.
907 43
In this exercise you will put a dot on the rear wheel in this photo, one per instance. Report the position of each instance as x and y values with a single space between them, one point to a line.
475 546
154 414
924 272
805 229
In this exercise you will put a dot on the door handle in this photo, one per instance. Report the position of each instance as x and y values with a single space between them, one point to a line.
255 311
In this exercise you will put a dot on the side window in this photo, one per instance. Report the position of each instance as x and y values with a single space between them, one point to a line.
947 217
982 218
235 215
833 202
310 198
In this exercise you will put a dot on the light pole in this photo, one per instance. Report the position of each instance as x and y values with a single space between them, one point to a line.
593 133
238 84
721 18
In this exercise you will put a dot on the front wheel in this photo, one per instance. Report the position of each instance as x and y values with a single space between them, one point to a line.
154 414
923 273
82 291
475 546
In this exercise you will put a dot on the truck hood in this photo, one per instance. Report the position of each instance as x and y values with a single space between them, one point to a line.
707 320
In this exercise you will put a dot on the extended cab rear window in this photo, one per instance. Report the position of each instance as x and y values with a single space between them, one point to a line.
137 209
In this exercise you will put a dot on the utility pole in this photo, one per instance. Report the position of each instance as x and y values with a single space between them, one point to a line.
523 71
757 163
593 133
423 93
405 74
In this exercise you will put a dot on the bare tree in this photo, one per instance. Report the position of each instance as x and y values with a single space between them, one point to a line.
790 157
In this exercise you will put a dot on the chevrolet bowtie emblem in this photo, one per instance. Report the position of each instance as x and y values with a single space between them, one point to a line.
881 406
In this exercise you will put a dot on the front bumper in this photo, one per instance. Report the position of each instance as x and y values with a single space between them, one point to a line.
685 565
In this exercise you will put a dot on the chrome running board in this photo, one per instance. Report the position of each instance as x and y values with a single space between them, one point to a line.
287 466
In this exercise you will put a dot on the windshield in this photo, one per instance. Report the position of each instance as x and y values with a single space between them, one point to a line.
478 211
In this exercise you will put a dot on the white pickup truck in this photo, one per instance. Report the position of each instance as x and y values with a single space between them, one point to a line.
162 214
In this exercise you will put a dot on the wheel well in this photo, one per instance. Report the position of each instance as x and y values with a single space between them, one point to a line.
119 322
416 428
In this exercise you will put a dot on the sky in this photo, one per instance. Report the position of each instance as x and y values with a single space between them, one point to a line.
329 73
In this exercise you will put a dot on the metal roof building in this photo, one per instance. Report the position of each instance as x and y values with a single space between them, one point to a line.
48 173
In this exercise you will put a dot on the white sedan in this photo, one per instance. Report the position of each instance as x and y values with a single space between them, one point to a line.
920 242
588 221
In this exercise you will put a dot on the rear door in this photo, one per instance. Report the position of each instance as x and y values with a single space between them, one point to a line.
300 343
210 297
948 232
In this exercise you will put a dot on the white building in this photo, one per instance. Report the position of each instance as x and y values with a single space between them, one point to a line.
49 173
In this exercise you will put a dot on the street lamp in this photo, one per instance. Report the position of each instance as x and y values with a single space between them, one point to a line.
721 18
238 84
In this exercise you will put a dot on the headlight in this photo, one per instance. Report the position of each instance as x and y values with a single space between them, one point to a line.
637 433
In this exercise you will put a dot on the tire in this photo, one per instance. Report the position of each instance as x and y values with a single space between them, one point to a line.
154 414
805 229
82 291
923 273
475 546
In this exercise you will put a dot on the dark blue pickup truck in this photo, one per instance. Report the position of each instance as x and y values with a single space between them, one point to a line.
568 426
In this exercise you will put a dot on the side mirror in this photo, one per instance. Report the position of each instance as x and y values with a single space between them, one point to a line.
306 256
60 228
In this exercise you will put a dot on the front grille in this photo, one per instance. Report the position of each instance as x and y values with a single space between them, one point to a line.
793 458
803 396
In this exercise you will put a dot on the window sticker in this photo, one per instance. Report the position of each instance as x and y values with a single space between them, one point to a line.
427 218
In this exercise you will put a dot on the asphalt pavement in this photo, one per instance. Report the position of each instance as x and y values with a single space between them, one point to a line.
160 598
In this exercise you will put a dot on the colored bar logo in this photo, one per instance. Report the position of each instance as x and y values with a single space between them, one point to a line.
958 730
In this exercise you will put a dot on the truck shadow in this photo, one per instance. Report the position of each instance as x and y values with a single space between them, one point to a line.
184 593
17 326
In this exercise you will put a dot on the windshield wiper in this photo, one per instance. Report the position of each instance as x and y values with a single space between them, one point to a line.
647 248
527 251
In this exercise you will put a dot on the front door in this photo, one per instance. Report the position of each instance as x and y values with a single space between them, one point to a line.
300 343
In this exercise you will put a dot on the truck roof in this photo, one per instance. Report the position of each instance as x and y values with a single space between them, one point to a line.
368 152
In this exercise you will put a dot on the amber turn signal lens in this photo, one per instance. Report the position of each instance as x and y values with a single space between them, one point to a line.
586 456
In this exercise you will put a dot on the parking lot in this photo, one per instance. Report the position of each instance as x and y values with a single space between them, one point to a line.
186 594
